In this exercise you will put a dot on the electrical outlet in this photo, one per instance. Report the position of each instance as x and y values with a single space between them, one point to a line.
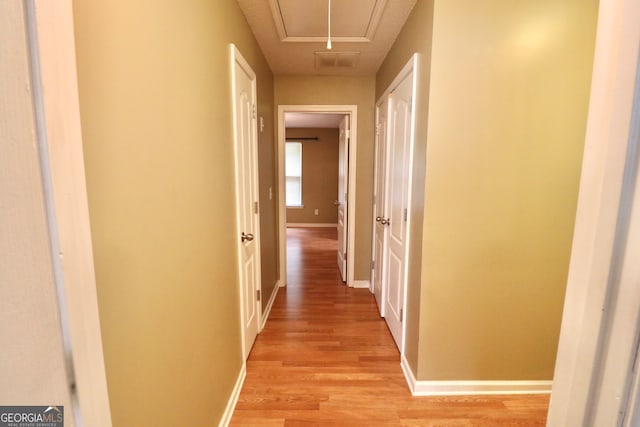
315 212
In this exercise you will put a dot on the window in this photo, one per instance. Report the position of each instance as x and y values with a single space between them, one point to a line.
293 172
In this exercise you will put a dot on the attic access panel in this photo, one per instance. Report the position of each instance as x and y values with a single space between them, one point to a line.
351 20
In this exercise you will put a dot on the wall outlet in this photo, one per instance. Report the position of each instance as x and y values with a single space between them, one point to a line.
315 212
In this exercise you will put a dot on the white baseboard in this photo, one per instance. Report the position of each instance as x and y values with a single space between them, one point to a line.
233 399
310 224
361 284
457 388
267 310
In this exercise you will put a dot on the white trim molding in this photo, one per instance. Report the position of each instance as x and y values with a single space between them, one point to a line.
471 387
311 225
55 95
361 284
599 334
233 398
267 310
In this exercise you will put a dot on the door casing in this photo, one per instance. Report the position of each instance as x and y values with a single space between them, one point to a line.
352 112
343 201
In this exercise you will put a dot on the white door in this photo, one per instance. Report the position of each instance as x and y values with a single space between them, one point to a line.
380 204
395 221
343 180
245 135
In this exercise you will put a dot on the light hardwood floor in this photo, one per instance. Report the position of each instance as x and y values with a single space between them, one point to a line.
325 357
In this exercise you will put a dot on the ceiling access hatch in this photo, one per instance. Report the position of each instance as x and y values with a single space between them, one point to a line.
306 21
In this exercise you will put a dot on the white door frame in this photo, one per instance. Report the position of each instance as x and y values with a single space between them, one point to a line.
596 289
237 58
55 93
352 111
342 200
412 66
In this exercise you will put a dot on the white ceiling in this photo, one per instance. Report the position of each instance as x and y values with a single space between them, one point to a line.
312 120
293 33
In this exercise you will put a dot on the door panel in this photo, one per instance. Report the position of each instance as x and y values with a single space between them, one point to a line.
343 180
247 188
380 204
398 191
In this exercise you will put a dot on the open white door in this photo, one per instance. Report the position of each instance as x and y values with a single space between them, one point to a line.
248 221
397 179
380 197
343 179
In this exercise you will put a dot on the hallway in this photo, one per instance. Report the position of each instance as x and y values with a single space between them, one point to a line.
325 357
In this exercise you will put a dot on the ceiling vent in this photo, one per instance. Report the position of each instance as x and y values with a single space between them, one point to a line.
337 59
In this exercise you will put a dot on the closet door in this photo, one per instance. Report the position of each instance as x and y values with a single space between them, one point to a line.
380 203
395 220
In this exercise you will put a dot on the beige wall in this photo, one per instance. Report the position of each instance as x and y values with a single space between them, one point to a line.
32 365
319 176
268 185
339 90
156 118
507 109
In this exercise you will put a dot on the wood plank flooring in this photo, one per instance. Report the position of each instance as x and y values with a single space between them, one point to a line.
325 357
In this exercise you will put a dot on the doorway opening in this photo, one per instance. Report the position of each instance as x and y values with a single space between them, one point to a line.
338 212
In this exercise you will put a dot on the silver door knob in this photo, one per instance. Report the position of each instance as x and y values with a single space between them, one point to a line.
246 237
378 218
385 221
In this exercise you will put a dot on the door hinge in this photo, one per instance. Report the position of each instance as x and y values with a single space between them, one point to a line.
405 214
258 296
255 207
254 111
377 129
347 134
373 264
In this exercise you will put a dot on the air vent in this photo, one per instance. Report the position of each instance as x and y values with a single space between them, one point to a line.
337 59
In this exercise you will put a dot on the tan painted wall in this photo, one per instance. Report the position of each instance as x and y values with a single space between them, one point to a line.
268 185
319 176
506 122
32 370
340 90
156 117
